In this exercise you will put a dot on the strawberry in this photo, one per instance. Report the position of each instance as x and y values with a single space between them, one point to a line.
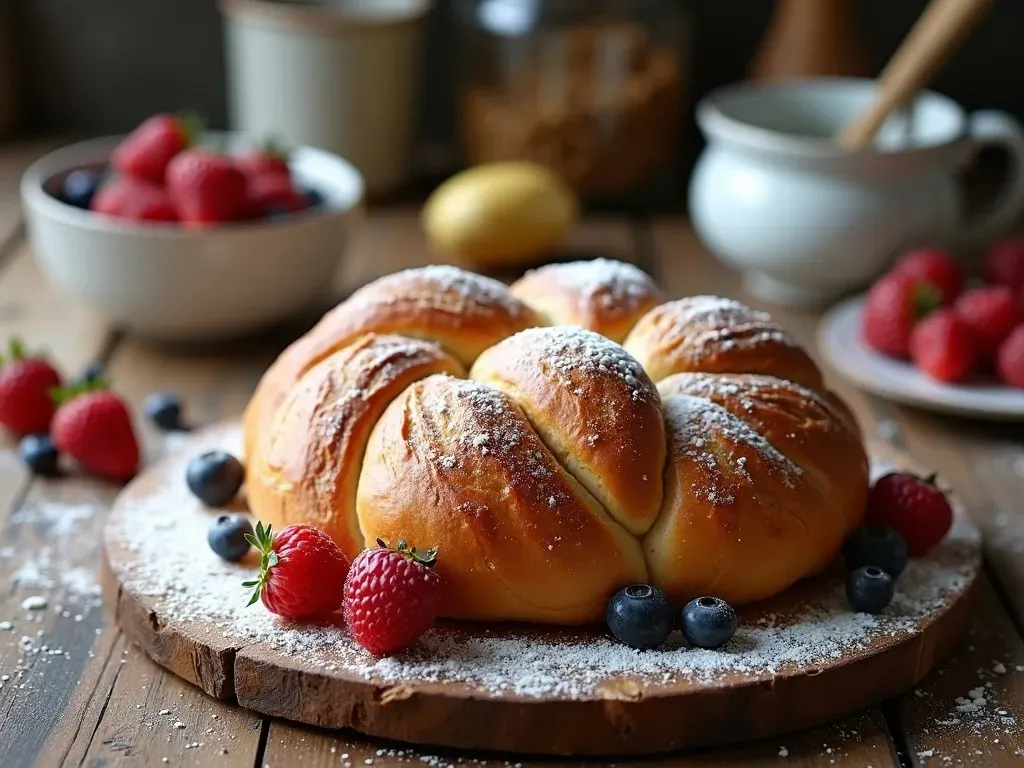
893 306
25 386
147 151
268 160
990 313
391 597
942 347
933 267
1010 360
128 198
302 572
272 193
93 426
1004 264
913 507
206 187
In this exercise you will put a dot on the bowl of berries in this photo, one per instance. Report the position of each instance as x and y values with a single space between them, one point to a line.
925 335
181 234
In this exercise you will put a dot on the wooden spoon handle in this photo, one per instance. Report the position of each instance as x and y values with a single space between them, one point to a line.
942 28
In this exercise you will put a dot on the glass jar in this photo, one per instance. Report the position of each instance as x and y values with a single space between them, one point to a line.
589 88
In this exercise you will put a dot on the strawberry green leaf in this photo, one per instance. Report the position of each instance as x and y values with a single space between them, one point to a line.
61 395
428 558
926 299
262 540
192 126
271 147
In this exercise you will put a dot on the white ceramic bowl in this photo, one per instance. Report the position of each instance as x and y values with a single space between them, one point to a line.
806 220
172 283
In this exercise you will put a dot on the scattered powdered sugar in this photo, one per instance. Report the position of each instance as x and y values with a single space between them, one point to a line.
614 285
983 712
692 423
34 603
47 568
48 571
569 350
726 323
475 293
59 520
187 583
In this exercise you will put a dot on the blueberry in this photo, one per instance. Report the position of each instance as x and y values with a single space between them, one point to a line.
640 616
876 545
227 536
313 198
164 410
215 477
869 589
79 187
39 454
93 372
709 622
276 213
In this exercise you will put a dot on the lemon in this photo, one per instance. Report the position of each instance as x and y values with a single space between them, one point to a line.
499 214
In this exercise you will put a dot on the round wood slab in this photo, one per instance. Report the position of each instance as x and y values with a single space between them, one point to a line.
800 659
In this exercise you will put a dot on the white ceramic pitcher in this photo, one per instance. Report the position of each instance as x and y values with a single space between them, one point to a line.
806 220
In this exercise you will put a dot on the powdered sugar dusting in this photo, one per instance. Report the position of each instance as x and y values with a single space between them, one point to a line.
567 350
726 323
692 423
475 293
811 626
59 520
615 286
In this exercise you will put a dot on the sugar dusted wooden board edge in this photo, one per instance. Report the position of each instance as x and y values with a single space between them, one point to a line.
623 720
202 656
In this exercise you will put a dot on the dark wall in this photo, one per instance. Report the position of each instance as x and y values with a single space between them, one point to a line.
99 66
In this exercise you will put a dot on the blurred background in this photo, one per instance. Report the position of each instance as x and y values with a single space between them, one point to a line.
98 67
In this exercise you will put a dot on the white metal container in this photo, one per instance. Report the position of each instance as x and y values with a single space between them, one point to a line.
341 75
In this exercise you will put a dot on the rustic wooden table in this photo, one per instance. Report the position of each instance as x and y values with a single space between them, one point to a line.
73 691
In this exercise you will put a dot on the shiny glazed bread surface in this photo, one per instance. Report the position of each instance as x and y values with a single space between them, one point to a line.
703 455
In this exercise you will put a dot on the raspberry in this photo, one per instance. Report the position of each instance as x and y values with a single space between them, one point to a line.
913 507
302 572
990 314
391 597
941 346
1010 361
892 308
934 267
1004 264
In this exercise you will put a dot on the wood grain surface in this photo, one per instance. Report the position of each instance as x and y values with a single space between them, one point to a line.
331 692
106 704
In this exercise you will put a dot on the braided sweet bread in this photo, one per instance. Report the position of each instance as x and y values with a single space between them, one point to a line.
550 464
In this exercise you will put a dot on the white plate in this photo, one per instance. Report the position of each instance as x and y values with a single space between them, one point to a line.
839 341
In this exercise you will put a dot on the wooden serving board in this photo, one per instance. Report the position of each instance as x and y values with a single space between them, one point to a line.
800 659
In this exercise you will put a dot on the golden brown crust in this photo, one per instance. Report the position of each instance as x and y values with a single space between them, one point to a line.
715 335
594 408
560 472
463 312
764 480
307 469
601 295
455 463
